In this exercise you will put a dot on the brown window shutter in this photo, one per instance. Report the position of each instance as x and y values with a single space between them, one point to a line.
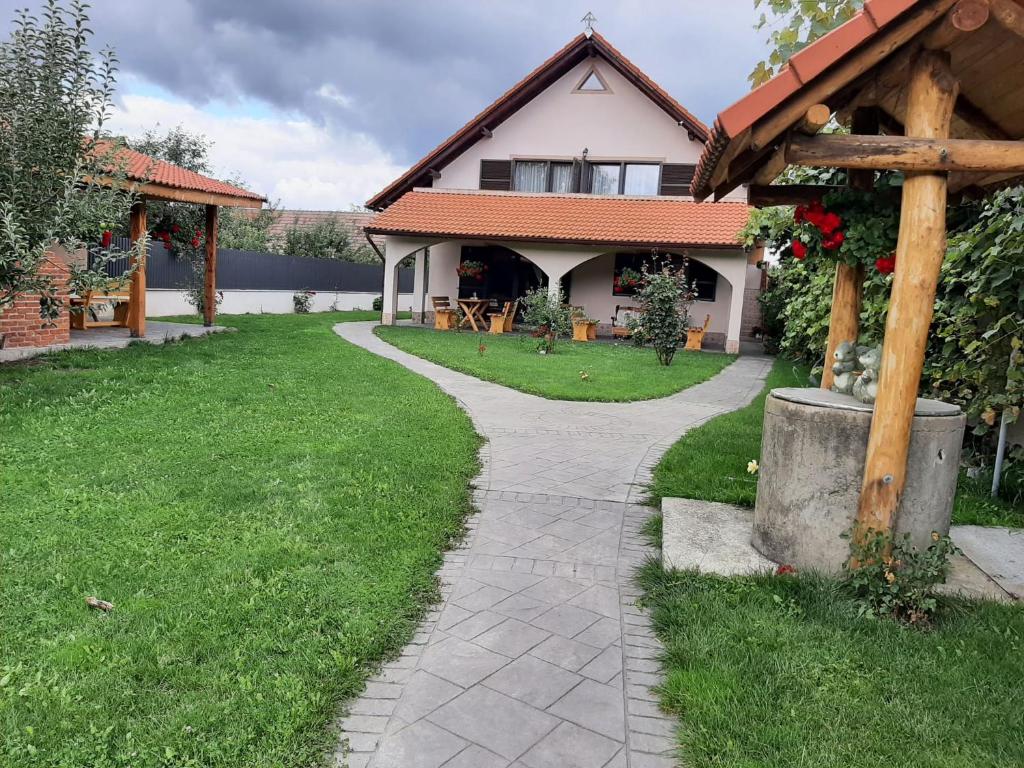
676 178
496 174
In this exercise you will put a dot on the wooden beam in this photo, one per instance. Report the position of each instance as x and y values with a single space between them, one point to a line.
766 196
1009 15
171 194
900 153
932 92
815 119
890 39
964 17
848 282
210 267
137 291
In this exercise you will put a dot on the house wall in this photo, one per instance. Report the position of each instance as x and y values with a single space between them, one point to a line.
558 124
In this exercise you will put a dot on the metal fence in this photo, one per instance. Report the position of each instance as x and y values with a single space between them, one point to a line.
258 271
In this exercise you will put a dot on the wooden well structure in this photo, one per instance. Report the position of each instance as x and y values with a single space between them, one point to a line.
932 88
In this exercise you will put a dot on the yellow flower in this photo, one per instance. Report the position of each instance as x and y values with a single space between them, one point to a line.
935 536
752 467
890 576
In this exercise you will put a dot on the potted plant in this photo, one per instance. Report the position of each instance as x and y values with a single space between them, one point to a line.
626 282
471 270
583 328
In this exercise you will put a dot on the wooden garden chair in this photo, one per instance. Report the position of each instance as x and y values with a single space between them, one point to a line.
502 321
444 315
623 312
695 336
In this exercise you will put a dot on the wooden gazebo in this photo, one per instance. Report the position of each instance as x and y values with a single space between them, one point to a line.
158 180
933 88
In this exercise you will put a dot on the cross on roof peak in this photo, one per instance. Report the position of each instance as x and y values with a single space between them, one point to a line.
588 23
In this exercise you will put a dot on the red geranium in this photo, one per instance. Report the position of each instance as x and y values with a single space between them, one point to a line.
799 250
785 570
800 213
814 214
176 228
886 265
833 241
195 242
829 223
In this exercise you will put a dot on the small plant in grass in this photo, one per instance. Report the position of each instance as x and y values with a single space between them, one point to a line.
548 310
665 298
303 301
893 579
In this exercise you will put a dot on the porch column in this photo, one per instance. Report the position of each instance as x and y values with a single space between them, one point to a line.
419 286
137 292
210 272
389 308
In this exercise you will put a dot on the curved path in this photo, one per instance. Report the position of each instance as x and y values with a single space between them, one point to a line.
537 656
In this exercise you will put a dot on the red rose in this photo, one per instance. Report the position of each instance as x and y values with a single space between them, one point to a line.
799 250
800 213
886 264
833 241
195 242
829 223
176 229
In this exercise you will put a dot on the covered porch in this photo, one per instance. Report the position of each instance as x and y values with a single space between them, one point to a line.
582 245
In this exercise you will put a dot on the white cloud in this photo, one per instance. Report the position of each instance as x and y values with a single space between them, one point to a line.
329 92
293 160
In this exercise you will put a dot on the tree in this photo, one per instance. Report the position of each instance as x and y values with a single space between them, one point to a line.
549 313
664 298
795 23
326 239
60 179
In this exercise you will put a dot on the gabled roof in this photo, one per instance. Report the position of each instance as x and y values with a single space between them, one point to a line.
579 219
162 180
579 48
861 55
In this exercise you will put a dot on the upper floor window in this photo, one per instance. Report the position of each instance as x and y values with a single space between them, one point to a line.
624 178
542 176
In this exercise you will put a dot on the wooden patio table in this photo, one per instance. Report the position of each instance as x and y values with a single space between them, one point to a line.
474 309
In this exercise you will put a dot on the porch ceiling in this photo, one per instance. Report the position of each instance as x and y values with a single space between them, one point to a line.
579 219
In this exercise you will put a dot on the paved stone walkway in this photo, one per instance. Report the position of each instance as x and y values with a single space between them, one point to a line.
537 656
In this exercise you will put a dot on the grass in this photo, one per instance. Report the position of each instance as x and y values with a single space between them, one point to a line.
614 372
263 509
710 462
781 673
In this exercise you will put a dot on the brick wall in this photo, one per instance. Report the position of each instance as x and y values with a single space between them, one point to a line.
20 323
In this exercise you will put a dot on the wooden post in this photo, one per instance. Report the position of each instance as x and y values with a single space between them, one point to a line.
848 288
210 273
137 291
931 95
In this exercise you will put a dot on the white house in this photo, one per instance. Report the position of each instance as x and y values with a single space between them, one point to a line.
575 177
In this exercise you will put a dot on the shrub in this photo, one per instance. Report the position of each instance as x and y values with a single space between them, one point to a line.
893 579
378 303
664 298
303 301
550 311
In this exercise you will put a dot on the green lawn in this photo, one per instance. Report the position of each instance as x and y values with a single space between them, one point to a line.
710 462
773 672
614 372
265 513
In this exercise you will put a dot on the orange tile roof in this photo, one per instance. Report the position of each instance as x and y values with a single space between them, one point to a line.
584 219
521 93
147 170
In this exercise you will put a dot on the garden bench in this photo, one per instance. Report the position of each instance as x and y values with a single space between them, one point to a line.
620 320
83 309
695 336
503 321
444 315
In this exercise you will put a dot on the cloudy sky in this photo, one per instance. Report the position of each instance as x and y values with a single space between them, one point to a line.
320 103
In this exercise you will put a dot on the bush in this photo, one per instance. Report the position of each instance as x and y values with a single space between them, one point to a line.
894 580
303 301
378 303
664 299
550 312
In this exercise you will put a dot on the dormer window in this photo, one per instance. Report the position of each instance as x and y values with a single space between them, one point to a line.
592 82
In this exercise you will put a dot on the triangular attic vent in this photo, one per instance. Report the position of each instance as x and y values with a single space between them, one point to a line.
592 82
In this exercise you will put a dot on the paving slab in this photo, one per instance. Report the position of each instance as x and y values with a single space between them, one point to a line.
537 654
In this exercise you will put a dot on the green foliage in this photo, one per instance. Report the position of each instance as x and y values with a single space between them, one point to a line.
895 580
614 372
792 24
326 239
260 566
549 314
247 230
378 303
664 298
55 97
303 301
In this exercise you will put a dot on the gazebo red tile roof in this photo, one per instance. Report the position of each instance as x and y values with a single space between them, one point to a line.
582 219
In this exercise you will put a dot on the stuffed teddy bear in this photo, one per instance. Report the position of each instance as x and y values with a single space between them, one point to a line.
843 367
865 388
